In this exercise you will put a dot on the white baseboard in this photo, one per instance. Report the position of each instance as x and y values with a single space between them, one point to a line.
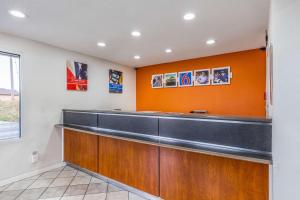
30 174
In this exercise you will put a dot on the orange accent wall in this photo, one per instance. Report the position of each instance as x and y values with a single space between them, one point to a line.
245 96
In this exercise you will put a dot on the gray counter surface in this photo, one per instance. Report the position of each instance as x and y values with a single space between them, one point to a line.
243 137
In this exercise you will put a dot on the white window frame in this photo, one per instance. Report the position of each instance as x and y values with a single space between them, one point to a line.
12 55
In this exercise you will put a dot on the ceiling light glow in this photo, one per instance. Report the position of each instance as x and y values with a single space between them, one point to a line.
210 42
136 33
101 44
17 13
168 50
189 16
137 57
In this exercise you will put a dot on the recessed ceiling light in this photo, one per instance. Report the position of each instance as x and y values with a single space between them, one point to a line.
101 44
210 42
137 57
168 50
189 16
17 13
136 33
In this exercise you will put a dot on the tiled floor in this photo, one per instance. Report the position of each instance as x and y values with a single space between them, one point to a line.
64 183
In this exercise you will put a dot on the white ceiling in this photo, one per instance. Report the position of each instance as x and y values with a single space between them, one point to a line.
79 24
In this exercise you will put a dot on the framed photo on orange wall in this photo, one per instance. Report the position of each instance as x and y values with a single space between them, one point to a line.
157 81
221 76
202 77
170 80
185 79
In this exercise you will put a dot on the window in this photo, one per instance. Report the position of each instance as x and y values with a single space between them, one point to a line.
9 96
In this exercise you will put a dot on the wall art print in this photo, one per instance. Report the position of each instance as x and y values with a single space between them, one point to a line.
185 79
170 80
221 76
115 81
157 81
77 76
202 77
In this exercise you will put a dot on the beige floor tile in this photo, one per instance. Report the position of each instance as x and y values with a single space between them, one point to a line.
97 180
69 173
61 182
96 188
54 192
82 174
64 183
135 197
31 194
40 183
122 195
10 195
20 185
74 190
78 197
100 196
81 180
49 174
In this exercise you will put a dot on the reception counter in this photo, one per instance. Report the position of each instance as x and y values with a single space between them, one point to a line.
172 155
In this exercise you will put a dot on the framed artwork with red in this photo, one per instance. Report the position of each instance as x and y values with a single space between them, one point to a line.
77 77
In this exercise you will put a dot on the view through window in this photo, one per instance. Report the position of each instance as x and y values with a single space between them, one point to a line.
9 96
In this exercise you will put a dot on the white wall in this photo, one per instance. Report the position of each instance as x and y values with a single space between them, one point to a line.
285 36
44 95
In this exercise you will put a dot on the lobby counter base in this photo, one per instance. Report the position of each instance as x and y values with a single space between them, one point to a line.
116 183
171 174
193 176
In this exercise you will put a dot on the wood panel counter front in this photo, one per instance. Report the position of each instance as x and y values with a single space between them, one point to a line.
193 176
169 173
131 163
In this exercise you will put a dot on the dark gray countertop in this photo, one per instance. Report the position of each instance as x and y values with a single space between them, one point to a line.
180 115
237 136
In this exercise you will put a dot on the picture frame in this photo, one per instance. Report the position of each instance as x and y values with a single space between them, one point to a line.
157 81
202 77
221 76
185 79
115 81
170 80
77 76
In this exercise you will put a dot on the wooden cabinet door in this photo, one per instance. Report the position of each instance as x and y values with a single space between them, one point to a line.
81 149
194 176
132 163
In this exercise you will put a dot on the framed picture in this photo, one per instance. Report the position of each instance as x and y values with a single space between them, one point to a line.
202 77
115 81
170 80
221 76
185 79
157 81
77 77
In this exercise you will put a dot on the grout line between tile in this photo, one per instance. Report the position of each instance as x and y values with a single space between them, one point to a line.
88 186
67 186
50 183
27 186
69 183
106 191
